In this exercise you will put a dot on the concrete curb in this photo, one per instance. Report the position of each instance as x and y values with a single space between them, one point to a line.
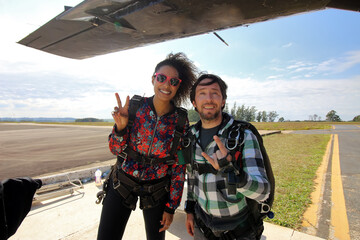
84 175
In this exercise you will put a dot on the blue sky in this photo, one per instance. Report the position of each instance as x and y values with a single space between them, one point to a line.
297 66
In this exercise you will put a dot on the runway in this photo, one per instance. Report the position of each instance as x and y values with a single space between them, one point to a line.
30 150
339 213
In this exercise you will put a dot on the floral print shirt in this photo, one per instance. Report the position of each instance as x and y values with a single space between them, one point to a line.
151 136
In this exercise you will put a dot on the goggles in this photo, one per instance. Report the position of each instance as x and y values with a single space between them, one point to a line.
162 78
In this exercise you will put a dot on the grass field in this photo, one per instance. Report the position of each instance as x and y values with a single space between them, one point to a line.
294 159
291 125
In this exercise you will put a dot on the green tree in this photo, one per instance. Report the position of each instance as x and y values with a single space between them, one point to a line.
332 116
259 116
264 117
357 118
233 110
240 113
281 119
193 115
226 109
272 115
250 114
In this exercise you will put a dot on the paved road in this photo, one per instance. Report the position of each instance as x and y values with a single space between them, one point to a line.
349 156
35 149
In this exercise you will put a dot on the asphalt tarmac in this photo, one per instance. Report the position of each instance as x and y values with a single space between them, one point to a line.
29 150
348 155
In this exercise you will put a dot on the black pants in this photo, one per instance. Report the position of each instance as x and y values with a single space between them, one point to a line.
115 215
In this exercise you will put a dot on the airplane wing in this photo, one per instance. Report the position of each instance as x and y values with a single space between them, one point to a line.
96 27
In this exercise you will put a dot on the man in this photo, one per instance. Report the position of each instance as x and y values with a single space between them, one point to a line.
215 210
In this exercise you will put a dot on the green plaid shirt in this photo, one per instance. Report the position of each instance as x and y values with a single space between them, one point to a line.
251 183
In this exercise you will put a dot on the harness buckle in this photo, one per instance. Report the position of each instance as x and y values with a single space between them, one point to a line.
186 142
100 195
231 143
137 189
149 188
170 162
233 140
123 155
177 133
147 160
264 208
116 184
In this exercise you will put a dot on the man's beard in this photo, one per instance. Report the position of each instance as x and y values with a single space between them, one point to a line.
209 117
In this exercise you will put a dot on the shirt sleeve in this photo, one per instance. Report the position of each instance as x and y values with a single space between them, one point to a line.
118 140
176 187
177 180
252 181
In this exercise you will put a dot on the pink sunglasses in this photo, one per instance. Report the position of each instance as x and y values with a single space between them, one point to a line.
161 78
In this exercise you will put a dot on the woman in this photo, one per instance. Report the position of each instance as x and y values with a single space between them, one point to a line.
146 167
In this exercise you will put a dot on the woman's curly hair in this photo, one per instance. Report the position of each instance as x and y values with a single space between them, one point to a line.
187 73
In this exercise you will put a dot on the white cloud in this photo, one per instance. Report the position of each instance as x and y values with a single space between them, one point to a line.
297 99
306 69
341 64
287 45
75 88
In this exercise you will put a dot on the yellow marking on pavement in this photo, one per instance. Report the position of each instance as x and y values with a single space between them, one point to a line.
339 220
354 130
333 126
310 218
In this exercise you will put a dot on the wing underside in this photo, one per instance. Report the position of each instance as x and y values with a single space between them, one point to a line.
96 27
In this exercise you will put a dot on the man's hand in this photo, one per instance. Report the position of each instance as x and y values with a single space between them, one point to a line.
219 154
166 221
190 223
121 113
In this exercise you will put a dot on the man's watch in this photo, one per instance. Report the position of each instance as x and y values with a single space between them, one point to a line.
190 206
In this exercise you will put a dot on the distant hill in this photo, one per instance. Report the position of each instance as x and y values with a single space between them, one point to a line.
89 120
43 119
40 119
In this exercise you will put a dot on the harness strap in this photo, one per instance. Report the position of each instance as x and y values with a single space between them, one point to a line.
204 168
130 190
226 235
205 230
120 177
135 102
144 159
130 198
179 130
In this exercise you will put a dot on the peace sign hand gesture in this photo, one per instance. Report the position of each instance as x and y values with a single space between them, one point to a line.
121 113
219 155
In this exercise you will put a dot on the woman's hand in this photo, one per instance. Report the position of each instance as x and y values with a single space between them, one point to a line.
121 113
166 221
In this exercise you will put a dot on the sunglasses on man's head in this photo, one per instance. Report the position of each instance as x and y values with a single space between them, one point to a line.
161 78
